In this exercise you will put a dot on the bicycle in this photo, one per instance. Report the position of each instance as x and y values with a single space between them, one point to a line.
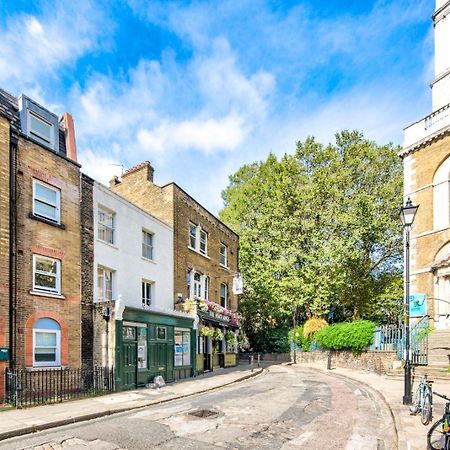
423 401
438 437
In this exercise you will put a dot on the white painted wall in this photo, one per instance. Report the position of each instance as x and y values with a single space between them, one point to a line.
125 256
440 89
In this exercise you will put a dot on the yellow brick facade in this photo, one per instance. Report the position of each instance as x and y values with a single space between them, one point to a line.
429 274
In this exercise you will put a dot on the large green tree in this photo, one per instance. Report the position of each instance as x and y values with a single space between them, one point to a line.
319 231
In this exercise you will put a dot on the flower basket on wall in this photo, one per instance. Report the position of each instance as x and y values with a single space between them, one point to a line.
206 331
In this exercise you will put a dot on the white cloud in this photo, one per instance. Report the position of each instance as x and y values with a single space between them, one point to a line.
35 46
208 135
101 168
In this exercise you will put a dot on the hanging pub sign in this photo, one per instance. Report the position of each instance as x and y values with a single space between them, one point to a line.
417 305
238 284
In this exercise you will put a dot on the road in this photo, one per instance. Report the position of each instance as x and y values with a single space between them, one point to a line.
283 408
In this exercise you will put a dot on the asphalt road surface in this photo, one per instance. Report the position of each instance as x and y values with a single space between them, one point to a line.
283 408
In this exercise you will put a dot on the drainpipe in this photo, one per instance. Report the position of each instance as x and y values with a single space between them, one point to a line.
13 140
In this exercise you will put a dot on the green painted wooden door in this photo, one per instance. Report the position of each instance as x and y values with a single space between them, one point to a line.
161 359
129 364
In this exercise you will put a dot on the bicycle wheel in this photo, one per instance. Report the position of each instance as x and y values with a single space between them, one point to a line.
426 413
415 406
436 436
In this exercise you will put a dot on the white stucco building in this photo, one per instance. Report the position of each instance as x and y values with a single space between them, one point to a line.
136 328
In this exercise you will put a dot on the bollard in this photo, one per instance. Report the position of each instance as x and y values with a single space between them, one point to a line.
329 361
259 360
251 361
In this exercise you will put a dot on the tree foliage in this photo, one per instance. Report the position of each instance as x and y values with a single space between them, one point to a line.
319 232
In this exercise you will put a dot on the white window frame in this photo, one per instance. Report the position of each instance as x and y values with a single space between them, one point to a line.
103 289
146 246
57 361
193 228
201 237
150 284
203 241
198 288
57 289
103 210
35 133
226 295
57 206
224 255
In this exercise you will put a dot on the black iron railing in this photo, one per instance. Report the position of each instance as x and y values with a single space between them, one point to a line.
26 387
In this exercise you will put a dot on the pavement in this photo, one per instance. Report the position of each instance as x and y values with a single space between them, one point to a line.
411 433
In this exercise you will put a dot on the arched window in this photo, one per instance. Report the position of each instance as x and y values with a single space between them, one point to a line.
46 343
441 196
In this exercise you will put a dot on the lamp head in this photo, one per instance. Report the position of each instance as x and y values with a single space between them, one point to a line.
408 213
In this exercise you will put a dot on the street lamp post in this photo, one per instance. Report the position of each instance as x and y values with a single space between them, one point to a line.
407 215
294 313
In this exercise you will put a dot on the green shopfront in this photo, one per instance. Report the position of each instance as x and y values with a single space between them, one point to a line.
150 344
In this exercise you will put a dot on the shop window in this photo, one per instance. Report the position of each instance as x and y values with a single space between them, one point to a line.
182 348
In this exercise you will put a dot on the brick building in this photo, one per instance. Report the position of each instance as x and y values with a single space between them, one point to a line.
40 230
205 261
426 158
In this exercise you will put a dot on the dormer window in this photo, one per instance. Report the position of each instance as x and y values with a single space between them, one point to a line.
40 129
39 124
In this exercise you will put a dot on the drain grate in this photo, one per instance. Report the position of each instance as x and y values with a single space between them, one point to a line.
203 413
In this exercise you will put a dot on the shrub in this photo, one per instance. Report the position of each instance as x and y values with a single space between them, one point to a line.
354 336
271 340
312 326
297 335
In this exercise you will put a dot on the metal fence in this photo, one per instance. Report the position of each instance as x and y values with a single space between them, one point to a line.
43 386
386 337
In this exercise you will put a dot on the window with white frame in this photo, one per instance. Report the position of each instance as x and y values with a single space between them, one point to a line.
106 220
147 288
104 284
192 236
46 201
197 285
46 343
147 245
203 242
223 255
40 129
224 295
46 274
198 239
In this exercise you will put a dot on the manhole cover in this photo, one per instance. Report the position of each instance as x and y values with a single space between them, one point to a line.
203 413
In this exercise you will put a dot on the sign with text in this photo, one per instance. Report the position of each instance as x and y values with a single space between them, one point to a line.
417 305
238 285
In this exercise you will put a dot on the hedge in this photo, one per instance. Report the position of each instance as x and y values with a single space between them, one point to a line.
354 336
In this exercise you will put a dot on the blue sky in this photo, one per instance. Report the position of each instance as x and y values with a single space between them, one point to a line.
201 87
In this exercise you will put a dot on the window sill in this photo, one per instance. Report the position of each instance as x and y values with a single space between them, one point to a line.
148 260
47 221
198 253
47 294
107 243
36 368
224 267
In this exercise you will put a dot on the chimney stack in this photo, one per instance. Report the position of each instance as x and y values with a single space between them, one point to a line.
144 169
71 146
